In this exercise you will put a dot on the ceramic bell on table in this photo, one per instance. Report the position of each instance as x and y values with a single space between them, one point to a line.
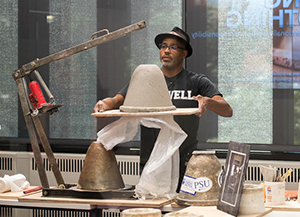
202 180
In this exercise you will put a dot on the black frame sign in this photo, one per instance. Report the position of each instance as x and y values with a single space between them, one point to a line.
234 176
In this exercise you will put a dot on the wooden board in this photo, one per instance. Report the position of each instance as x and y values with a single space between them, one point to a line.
117 113
287 206
213 211
15 195
102 202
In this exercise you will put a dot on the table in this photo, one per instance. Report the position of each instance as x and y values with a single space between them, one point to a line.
38 198
11 199
288 209
287 206
213 211
95 206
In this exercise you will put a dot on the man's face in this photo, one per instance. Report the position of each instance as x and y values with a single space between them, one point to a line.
170 58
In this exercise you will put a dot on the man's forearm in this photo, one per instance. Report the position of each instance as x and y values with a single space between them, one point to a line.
219 106
114 103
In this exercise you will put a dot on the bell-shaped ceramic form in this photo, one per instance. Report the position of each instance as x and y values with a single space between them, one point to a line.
147 91
100 170
201 183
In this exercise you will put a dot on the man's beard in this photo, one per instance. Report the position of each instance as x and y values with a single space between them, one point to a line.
168 65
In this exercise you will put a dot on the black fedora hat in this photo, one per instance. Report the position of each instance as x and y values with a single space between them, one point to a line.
178 33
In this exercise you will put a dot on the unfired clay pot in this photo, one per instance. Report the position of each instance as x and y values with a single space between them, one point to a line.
147 91
183 214
141 212
252 201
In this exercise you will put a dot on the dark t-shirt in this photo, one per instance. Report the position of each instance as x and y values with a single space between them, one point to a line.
182 88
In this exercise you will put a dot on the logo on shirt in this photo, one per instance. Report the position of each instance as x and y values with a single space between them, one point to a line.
181 94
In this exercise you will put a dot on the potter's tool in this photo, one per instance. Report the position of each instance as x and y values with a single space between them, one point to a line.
284 176
269 173
32 190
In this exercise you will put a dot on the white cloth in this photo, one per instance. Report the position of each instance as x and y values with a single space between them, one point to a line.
13 183
160 175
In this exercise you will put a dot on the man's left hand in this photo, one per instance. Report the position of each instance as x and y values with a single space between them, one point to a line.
202 104
216 104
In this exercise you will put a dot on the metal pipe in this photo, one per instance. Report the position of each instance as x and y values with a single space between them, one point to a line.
29 67
26 94
43 84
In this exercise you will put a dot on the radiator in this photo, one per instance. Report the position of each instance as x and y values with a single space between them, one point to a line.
6 212
111 213
70 166
8 162
20 212
59 213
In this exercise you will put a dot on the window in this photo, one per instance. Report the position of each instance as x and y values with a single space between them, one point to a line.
44 28
248 49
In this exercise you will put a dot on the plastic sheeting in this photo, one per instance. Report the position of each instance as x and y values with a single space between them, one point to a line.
160 175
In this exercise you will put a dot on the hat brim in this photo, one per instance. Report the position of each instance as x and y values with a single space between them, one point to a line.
159 39
118 113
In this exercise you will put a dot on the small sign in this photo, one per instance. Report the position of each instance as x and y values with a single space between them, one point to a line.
203 184
233 178
193 185
188 185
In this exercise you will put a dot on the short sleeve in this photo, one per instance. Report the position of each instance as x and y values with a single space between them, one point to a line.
123 91
207 88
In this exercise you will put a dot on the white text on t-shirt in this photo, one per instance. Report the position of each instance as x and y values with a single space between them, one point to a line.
181 94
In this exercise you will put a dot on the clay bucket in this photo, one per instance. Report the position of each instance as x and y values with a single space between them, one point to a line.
100 170
141 212
201 183
147 91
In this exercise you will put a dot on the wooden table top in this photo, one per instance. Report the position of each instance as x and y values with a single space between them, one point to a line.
15 195
287 206
101 202
213 211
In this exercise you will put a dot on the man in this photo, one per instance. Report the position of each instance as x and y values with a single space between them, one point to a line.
187 90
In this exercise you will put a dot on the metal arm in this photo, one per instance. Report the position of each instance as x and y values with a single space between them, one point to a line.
29 67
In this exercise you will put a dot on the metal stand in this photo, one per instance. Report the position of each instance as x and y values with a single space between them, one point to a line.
31 115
